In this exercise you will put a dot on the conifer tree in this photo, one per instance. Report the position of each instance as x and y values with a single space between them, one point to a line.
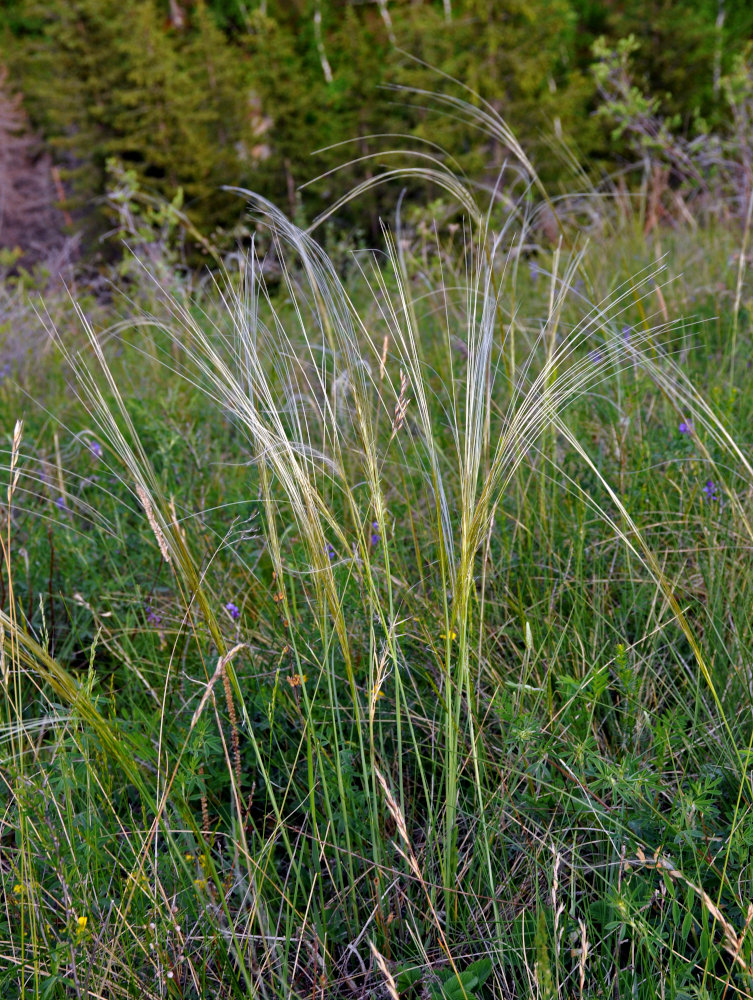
294 95
113 78
515 54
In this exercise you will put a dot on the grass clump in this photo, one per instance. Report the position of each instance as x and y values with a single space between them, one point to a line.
386 636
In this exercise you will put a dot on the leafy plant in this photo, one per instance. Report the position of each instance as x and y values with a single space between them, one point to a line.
449 985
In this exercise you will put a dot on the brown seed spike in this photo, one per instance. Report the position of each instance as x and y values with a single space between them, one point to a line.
400 406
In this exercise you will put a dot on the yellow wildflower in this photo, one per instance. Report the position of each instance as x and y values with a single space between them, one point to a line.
81 924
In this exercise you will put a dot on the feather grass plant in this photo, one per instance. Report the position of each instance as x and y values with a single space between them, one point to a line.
404 791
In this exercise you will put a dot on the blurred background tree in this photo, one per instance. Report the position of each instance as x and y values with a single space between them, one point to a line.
196 94
114 78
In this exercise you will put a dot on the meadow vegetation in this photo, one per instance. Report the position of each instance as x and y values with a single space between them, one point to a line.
377 623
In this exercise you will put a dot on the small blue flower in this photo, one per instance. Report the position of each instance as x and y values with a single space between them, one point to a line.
595 356
375 536
61 504
233 610
710 490
330 550
95 448
626 331
686 427
151 616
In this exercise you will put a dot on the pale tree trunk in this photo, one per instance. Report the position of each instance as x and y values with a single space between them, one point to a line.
718 46
384 11
177 15
326 68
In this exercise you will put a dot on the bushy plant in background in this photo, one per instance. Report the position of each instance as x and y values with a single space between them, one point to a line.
683 178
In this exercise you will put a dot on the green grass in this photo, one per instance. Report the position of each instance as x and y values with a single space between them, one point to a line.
378 638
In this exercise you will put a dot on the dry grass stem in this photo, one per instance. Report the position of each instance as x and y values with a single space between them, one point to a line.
156 529
388 977
401 405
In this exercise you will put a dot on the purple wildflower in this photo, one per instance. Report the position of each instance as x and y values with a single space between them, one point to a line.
595 356
61 504
151 615
710 490
533 270
686 427
330 550
95 448
375 536
233 610
626 331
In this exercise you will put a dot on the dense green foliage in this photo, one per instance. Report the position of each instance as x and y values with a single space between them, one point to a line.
503 739
376 624
210 92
